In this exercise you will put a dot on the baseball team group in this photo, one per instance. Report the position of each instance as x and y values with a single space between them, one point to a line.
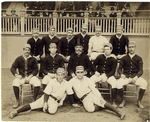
73 65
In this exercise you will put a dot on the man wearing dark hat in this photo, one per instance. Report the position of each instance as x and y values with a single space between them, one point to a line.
131 70
119 43
28 69
104 67
50 64
67 44
84 38
96 44
4 13
88 94
51 38
79 58
54 95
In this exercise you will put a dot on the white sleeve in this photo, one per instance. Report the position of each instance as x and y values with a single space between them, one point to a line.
69 89
90 46
48 89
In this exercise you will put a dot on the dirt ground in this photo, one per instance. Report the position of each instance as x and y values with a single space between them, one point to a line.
67 112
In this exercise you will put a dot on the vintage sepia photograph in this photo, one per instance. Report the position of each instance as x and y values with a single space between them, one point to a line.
82 61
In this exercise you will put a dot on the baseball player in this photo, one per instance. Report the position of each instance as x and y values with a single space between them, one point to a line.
131 70
88 94
83 37
54 95
36 47
79 58
104 67
28 69
96 43
50 63
51 38
66 45
119 43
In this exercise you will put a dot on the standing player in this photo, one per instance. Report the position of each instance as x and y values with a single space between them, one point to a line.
131 70
88 94
50 64
84 38
54 95
51 38
119 43
36 47
66 45
104 67
27 67
96 43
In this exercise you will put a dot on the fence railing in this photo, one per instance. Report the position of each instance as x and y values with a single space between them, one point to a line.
23 25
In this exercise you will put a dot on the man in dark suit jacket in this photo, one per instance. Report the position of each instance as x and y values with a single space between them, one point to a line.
84 38
51 38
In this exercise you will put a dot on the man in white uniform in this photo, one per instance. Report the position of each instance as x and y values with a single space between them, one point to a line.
54 95
87 93
96 43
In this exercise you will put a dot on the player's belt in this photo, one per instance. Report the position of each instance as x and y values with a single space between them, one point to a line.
84 96
53 97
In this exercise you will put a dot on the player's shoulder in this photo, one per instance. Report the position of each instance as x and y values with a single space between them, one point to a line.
138 57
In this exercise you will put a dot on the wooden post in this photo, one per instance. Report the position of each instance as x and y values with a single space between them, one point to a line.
22 14
118 18
55 15
86 14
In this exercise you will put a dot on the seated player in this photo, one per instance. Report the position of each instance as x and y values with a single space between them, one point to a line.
96 44
28 69
54 95
88 94
104 67
131 70
79 58
50 64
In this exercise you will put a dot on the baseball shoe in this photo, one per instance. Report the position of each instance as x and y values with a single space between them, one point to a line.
122 116
114 104
16 105
13 114
140 105
122 104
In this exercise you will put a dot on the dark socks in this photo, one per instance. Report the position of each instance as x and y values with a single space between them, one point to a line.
24 108
114 91
141 93
16 92
121 93
44 85
110 107
36 91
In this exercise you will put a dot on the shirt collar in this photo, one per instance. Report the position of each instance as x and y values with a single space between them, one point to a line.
131 56
51 37
111 55
83 35
25 57
35 39
70 38
118 36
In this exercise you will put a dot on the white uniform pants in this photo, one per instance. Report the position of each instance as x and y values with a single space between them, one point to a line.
92 99
34 81
142 83
111 80
39 103
94 55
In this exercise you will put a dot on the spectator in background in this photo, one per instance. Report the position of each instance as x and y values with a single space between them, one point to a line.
4 13
113 14
13 13
46 13
127 11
